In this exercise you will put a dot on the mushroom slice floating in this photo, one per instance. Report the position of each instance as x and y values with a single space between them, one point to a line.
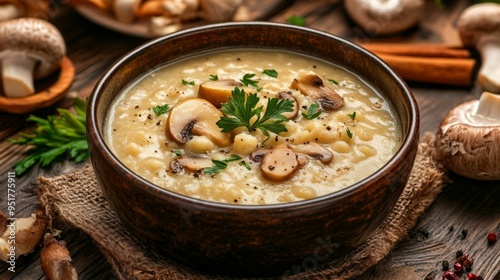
312 85
280 163
218 91
30 49
314 150
467 141
259 154
479 26
288 95
197 116
192 164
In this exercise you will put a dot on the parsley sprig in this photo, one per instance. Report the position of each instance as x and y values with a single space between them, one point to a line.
240 109
312 112
161 109
247 80
53 137
220 165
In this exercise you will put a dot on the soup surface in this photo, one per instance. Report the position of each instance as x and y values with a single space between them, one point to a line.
166 127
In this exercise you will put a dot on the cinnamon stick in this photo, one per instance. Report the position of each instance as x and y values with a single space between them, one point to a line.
419 50
438 70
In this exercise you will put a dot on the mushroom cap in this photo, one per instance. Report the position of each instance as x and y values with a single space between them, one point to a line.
477 21
468 148
34 38
381 17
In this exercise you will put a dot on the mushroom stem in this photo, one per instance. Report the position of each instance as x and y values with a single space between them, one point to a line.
17 76
489 106
489 74
8 11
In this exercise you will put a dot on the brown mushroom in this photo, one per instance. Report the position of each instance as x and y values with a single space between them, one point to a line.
192 164
479 26
219 10
467 141
312 85
314 150
259 154
218 91
28 233
197 116
288 95
55 260
30 49
180 10
103 5
381 17
280 163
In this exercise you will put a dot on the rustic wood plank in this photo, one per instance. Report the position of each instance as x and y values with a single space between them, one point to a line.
465 204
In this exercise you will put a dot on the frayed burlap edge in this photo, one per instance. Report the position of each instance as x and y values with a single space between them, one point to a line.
76 199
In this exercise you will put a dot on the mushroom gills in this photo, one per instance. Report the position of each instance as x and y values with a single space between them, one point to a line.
288 95
312 85
197 116
17 75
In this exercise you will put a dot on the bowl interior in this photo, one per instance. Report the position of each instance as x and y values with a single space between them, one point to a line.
255 35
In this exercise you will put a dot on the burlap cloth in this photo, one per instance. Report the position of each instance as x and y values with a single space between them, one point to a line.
76 199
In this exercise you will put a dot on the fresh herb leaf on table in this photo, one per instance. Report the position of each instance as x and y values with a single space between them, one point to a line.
241 108
296 20
53 137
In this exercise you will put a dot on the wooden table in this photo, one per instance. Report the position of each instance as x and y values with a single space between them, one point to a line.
468 205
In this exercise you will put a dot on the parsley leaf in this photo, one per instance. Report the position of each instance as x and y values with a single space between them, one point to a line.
177 152
54 137
333 82
213 77
312 112
296 20
242 108
352 116
191 83
270 73
161 109
220 165
349 133
247 80
245 164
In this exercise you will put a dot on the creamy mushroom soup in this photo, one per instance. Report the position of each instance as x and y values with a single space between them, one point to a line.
294 127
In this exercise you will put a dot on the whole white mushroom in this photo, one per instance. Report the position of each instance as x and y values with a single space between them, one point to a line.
382 17
30 49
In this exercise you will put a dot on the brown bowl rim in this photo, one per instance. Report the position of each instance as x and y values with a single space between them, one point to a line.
164 194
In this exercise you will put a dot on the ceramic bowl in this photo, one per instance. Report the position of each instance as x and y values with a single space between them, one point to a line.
251 240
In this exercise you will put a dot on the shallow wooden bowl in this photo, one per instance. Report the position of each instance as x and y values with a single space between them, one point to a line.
251 240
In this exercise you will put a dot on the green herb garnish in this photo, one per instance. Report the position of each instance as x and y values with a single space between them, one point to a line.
214 77
352 116
177 152
161 109
191 83
245 164
312 112
55 136
296 20
220 165
349 133
240 109
247 80
270 73
333 82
